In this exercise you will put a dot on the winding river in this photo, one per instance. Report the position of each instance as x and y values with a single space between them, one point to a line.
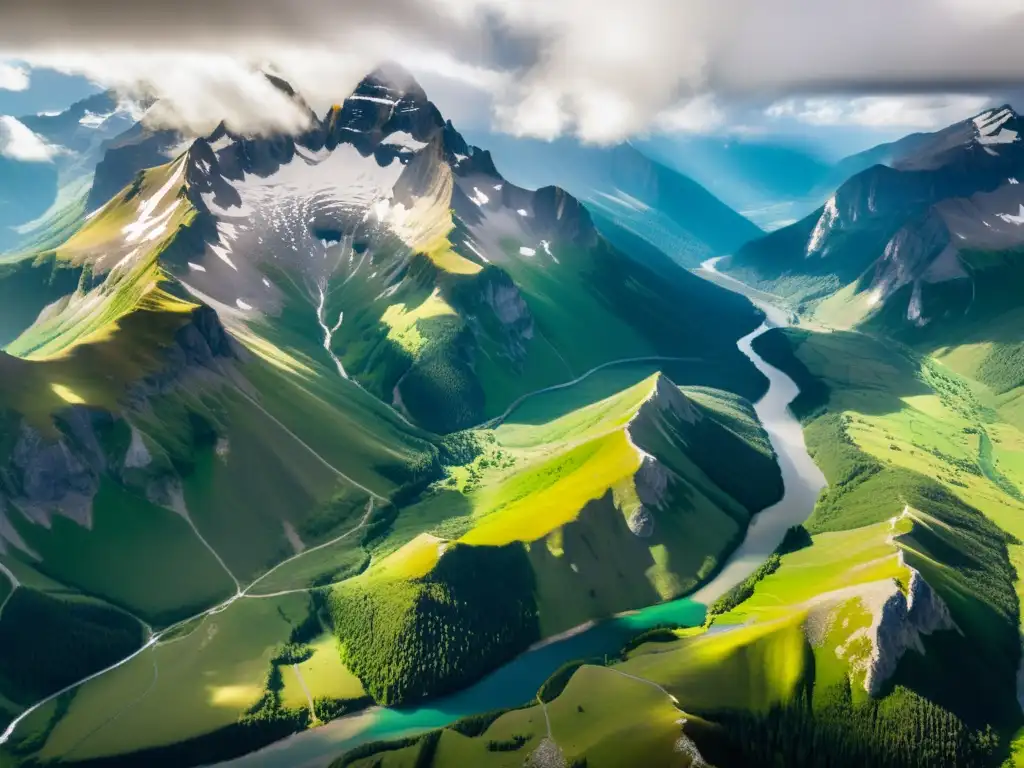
518 681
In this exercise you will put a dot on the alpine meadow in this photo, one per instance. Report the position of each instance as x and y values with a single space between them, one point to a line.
463 384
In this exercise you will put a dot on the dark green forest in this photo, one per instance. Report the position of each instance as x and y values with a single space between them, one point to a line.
406 640
903 730
47 643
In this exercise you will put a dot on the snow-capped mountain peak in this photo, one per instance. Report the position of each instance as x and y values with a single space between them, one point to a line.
997 126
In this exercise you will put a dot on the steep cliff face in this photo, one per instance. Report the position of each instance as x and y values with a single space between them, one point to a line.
45 476
921 251
899 626
61 473
661 414
124 156
200 345
950 187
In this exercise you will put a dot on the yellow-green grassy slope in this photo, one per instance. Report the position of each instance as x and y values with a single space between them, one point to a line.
198 680
606 718
973 324
783 674
604 508
898 439
579 476
275 433
272 459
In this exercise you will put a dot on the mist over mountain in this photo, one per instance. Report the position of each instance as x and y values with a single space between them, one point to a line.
632 192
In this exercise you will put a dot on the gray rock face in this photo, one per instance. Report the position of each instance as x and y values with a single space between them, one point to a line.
499 296
507 303
201 343
641 523
909 252
61 475
904 619
48 476
563 217
652 482
668 398
137 456
79 426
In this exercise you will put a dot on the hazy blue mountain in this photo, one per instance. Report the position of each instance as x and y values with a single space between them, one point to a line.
622 185
34 194
772 183
48 91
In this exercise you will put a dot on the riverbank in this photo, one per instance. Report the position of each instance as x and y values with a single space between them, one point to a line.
802 480
517 682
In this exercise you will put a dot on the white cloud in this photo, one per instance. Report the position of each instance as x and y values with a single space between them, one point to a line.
699 115
13 78
17 142
601 71
911 112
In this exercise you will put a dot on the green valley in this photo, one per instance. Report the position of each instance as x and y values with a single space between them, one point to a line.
323 441
261 490
905 569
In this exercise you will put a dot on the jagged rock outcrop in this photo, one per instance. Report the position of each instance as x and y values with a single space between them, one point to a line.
898 627
653 479
560 215
507 303
202 343
641 522
137 456
46 475
61 474
138 148
652 482
666 398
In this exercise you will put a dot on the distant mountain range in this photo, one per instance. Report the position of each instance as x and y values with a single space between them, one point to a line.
34 194
771 183
630 195
925 244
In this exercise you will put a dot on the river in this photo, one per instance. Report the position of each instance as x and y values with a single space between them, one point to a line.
517 682
802 480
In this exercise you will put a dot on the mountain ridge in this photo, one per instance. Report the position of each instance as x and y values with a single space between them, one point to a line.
270 357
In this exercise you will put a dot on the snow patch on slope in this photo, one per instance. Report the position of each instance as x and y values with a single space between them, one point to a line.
404 140
148 225
1009 218
990 128
826 221
479 197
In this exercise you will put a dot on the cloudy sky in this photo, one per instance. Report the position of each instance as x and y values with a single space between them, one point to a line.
601 70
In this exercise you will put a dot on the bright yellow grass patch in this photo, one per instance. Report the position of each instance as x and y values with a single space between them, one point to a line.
413 561
532 503
324 675
402 321
441 254
67 394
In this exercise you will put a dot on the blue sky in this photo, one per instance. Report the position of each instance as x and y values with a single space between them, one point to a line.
44 91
